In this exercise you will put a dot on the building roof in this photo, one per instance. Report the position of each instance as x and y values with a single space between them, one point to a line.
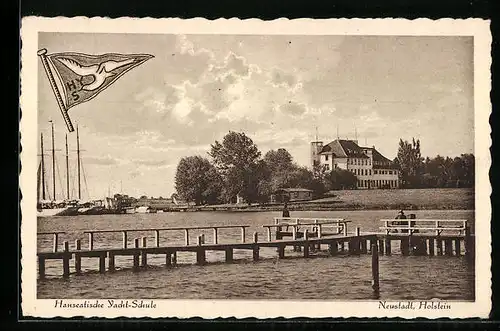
344 148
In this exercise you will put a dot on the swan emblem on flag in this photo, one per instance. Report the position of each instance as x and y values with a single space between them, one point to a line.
99 71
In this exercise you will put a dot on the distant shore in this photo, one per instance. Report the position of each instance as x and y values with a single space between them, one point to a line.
408 199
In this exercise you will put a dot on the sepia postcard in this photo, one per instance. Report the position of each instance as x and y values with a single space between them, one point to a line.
250 168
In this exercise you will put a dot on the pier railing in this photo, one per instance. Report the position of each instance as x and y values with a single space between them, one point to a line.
156 231
412 226
316 225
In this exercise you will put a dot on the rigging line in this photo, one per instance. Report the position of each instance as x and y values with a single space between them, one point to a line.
73 179
85 180
59 177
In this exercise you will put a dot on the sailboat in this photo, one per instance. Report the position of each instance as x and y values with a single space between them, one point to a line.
47 207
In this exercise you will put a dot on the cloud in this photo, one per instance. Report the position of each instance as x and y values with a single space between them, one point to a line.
152 163
279 77
101 160
293 108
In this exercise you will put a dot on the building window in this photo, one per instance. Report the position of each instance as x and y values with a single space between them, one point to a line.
327 166
326 157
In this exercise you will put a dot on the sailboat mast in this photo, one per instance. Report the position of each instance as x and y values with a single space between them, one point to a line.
67 168
53 163
78 162
43 167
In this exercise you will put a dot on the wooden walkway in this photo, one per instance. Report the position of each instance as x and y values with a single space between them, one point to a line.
308 236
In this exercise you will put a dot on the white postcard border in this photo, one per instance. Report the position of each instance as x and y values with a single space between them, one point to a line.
479 29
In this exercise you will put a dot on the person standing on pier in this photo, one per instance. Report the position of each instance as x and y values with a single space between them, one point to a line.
286 213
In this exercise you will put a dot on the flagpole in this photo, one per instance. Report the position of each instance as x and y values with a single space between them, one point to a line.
60 102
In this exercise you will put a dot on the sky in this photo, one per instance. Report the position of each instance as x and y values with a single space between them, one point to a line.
279 90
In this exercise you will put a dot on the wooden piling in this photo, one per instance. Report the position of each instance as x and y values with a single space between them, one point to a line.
78 258
255 247
388 246
66 258
468 241
364 245
102 263
91 241
457 247
306 244
448 247
332 248
157 238
229 255
55 242
404 246
242 234
342 246
41 267
200 252
168 259
144 255
269 235
439 247
136 255
186 237
174 258
431 246
111 261
381 247
375 270
124 239
216 239
281 251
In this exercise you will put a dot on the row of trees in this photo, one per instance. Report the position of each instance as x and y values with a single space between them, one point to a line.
237 167
417 172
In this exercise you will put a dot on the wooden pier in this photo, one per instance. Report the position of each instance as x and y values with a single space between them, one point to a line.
305 235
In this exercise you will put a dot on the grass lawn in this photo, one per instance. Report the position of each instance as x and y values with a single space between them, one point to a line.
453 198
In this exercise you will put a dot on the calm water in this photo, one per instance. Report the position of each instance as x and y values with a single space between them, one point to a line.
347 277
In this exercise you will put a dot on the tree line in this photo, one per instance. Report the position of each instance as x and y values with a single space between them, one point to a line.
437 172
237 167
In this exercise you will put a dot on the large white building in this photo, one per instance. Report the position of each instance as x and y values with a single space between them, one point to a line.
372 169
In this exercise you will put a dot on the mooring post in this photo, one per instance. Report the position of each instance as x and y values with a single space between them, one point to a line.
269 235
200 252
256 246
364 246
186 239
375 270
41 267
294 232
344 228
157 238
78 258
229 255
306 244
144 257
136 254
124 239
216 239
55 242
66 258
91 241
202 238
